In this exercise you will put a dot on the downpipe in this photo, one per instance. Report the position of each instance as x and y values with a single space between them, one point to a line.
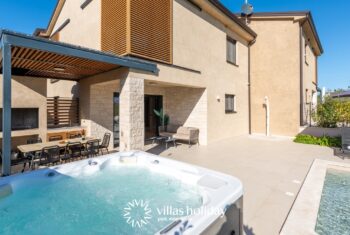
267 107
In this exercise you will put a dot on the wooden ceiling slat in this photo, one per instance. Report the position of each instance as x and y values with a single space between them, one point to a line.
30 54
41 64
15 63
35 55
36 64
14 51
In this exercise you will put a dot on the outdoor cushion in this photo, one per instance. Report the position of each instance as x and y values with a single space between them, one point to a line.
180 136
183 130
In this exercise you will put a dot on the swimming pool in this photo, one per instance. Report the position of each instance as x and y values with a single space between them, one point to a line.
322 204
334 211
122 193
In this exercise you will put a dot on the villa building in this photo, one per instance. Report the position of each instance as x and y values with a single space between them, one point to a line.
283 67
202 66
213 70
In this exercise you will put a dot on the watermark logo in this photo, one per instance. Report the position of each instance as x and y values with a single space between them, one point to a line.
137 213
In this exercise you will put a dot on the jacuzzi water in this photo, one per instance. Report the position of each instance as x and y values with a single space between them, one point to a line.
123 193
334 211
94 204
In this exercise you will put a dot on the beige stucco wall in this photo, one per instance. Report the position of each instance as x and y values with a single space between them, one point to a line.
201 45
28 93
275 73
62 88
84 28
309 78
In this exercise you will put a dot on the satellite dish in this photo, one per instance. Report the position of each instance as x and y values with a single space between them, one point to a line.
247 9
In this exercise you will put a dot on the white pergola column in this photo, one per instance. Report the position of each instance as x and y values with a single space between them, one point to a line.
6 109
132 127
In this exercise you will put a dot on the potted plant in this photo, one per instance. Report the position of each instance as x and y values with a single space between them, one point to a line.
163 118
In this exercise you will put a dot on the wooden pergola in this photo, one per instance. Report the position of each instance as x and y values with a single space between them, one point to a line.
25 55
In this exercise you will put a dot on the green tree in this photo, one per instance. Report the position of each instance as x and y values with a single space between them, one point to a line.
332 112
327 113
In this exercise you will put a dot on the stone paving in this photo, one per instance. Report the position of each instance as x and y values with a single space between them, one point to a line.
272 171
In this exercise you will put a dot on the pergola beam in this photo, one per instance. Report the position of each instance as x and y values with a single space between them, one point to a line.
70 50
9 40
6 107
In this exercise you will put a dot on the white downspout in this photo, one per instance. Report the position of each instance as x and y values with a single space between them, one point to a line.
267 106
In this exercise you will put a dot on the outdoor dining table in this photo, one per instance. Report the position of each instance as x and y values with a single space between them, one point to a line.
29 150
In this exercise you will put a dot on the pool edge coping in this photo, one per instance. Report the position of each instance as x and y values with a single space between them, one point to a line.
302 217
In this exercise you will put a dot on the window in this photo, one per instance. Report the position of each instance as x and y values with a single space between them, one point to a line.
230 104
231 51
306 54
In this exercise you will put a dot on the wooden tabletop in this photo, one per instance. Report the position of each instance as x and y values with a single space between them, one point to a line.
27 148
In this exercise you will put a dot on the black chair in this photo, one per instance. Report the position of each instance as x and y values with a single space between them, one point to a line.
34 155
92 148
55 138
105 143
16 159
50 155
73 151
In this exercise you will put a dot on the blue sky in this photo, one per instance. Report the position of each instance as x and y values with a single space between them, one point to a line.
331 19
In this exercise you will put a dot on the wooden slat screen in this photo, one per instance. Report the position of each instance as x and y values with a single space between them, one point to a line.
151 29
62 112
114 26
138 27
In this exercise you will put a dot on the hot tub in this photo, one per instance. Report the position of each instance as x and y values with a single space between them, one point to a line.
122 193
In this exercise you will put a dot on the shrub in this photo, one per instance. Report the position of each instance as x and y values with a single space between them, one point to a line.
332 112
322 141
326 114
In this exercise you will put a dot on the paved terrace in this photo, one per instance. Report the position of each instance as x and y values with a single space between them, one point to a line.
272 171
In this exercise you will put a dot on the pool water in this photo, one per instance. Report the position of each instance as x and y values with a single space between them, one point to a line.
97 204
334 212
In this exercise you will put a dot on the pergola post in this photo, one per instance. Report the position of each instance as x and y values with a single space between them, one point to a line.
6 108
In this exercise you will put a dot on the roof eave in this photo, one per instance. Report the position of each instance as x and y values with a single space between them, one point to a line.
314 31
306 14
55 14
233 17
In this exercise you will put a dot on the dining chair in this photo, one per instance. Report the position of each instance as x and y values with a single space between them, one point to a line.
105 142
31 156
92 148
49 155
73 151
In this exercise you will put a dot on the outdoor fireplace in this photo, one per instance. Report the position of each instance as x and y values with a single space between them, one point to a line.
23 118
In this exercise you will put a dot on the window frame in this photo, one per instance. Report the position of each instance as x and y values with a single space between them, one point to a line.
306 54
235 43
234 104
